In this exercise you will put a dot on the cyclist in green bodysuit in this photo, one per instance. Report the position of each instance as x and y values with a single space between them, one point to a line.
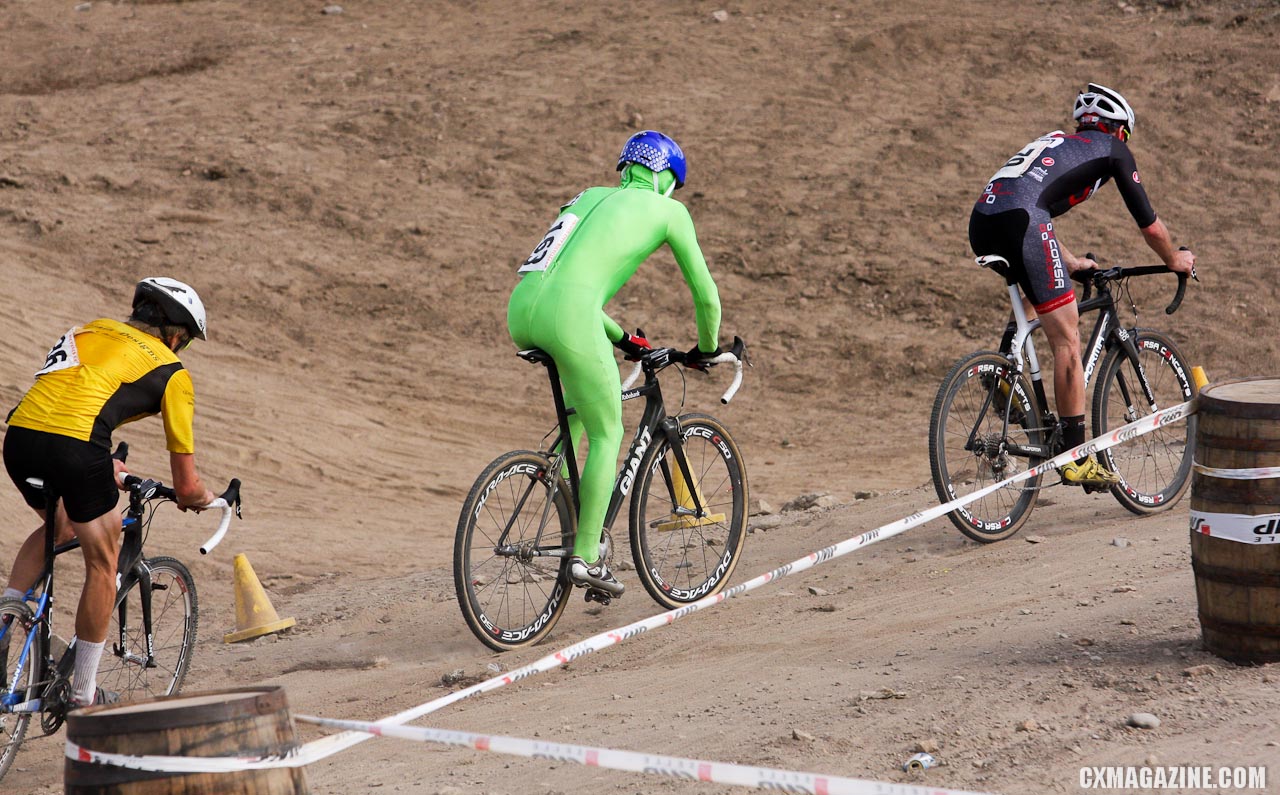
595 245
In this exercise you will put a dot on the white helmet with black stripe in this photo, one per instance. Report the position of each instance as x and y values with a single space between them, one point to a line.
1099 102
177 302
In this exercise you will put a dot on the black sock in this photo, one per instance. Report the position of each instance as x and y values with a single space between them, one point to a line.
1073 434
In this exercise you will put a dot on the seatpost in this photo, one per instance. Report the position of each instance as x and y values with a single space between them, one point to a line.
50 531
562 417
50 516
1020 341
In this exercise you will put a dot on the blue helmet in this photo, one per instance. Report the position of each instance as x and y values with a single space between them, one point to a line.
656 152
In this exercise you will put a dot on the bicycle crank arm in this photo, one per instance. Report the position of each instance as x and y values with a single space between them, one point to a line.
1030 450
509 551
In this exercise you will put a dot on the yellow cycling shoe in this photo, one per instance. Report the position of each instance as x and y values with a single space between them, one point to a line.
1090 473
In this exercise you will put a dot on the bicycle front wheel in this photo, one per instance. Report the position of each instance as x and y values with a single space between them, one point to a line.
510 553
681 554
137 666
968 449
16 631
1155 468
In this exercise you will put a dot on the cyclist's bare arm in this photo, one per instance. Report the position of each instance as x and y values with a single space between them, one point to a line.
1157 237
191 491
1072 262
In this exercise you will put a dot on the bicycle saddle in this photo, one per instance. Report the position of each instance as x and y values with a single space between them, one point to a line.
535 356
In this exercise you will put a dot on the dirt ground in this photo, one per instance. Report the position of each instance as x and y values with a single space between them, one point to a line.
351 193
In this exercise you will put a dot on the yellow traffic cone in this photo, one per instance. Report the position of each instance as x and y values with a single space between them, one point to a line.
255 616
684 499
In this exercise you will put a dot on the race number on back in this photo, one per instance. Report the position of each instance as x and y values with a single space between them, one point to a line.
544 254
1017 165
62 355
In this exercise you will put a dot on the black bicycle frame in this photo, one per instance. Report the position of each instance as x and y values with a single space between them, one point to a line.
653 421
131 571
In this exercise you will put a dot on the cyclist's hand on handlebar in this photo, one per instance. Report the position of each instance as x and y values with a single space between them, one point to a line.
1081 265
697 358
633 346
121 471
208 498
1183 262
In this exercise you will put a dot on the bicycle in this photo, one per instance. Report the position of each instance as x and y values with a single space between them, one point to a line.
153 623
989 423
687 522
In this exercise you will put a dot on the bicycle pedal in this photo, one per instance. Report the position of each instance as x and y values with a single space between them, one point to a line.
597 595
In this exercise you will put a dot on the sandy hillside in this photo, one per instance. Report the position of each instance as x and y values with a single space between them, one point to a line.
351 193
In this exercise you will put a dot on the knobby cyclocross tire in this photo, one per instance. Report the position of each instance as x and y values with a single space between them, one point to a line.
174 620
513 599
971 403
1155 468
15 627
681 558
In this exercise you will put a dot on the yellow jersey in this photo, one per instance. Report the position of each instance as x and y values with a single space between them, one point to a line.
102 375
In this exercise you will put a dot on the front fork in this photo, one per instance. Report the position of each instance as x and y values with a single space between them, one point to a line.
675 440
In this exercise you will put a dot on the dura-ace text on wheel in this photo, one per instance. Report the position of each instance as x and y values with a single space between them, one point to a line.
969 444
126 666
512 543
682 556
1155 468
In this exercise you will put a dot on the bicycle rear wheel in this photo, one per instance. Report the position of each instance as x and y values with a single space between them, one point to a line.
126 666
1155 468
967 451
680 557
15 631
510 553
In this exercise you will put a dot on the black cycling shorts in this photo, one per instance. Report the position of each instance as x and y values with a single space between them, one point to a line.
1030 245
81 473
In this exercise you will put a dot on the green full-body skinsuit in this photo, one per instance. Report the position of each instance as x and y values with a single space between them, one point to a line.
595 245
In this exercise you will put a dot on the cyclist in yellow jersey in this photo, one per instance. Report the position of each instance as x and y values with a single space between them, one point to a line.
96 378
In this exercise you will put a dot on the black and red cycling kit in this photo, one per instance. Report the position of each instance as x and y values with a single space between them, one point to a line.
1013 217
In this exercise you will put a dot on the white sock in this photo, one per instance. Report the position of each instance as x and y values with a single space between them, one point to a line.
13 593
85 679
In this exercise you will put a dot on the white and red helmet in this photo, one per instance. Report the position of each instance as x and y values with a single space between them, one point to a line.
1101 103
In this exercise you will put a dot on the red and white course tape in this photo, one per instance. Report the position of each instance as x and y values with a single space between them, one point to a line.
327 746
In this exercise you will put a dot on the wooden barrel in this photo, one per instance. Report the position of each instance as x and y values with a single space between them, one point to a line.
1235 519
245 722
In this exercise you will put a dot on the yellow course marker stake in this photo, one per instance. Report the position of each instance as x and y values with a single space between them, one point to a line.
685 500
1197 375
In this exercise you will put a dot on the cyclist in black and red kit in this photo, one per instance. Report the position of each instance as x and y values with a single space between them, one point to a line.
1013 218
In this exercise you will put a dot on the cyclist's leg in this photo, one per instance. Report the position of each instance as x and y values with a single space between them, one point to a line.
594 389
1061 326
100 543
564 321
87 483
1048 286
526 332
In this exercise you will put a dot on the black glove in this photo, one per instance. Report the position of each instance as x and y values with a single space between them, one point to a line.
633 346
697 358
